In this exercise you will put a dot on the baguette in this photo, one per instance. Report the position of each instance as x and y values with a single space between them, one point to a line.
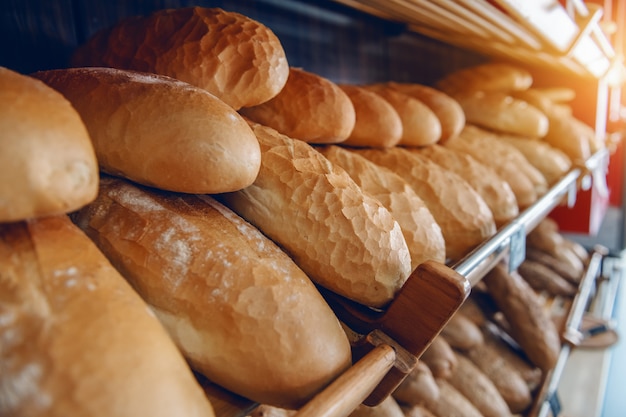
47 164
387 408
452 403
418 387
490 76
461 333
463 216
309 107
160 132
416 411
440 358
76 339
244 315
542 278
235 58
564 269
421 232
344 239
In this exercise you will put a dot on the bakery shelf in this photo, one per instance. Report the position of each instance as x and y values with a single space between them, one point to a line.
509 242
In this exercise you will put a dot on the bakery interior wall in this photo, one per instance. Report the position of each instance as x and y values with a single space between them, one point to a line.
321 36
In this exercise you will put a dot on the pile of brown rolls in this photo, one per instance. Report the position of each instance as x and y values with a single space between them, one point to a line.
176 207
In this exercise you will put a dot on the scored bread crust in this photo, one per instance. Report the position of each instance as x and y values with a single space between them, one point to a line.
421 232
462 214
310 108
238 307
159 131
344 239
490 76
236 58
76 339
47 164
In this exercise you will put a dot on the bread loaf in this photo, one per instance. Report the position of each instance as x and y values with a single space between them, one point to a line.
544 279
559 266
416 411
440 358
421 232
387 408
489 76
242 312
546 237
461 333
464 217
448 110
420 125
235 58
309 107
452 403
160 132
377 123
265 410
496 192
76 339
529 324
418 387
344 239
47 164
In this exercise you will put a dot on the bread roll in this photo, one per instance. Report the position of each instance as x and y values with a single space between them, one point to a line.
501 112
416 411
544 279
448 110
160 132
420 125
440 358
546 237
47 164
461 333
418 387
235 58
452 403
561 267
421 232
344 239
377 123
496 192
76 339
310 108
529 324
242 312
464 217
490 76
387 408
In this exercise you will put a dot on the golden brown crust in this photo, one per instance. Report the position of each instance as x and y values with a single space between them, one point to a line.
490 76
238 307
159 131
77 340
318 214
47 164
236 58
310 108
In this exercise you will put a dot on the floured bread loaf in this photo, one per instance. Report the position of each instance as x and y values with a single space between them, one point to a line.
159 131
490 76
47 164
421 232
241 311
377 123
420 125
76 339
448 110
236 58
496 192
310 108
462 214
344 239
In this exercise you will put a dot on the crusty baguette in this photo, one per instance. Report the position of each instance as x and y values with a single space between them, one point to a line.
235 58
461 333
160 132
452 403
421 232
529 324
440 358
462 214
242 312
547 237
47 164
544 279
344 239
496 192
387 408
377 123
489 76
76 339
309 107
564 269
418 387
448 110
420 125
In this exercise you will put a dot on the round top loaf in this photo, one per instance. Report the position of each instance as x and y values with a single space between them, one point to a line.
47 164
236 58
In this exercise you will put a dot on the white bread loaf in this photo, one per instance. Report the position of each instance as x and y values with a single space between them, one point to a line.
241 311
344 239
236 58
462 214
160 132
76 339
309 107
448 110
421 232
420 124
490 76
496 192
377 123
47 164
